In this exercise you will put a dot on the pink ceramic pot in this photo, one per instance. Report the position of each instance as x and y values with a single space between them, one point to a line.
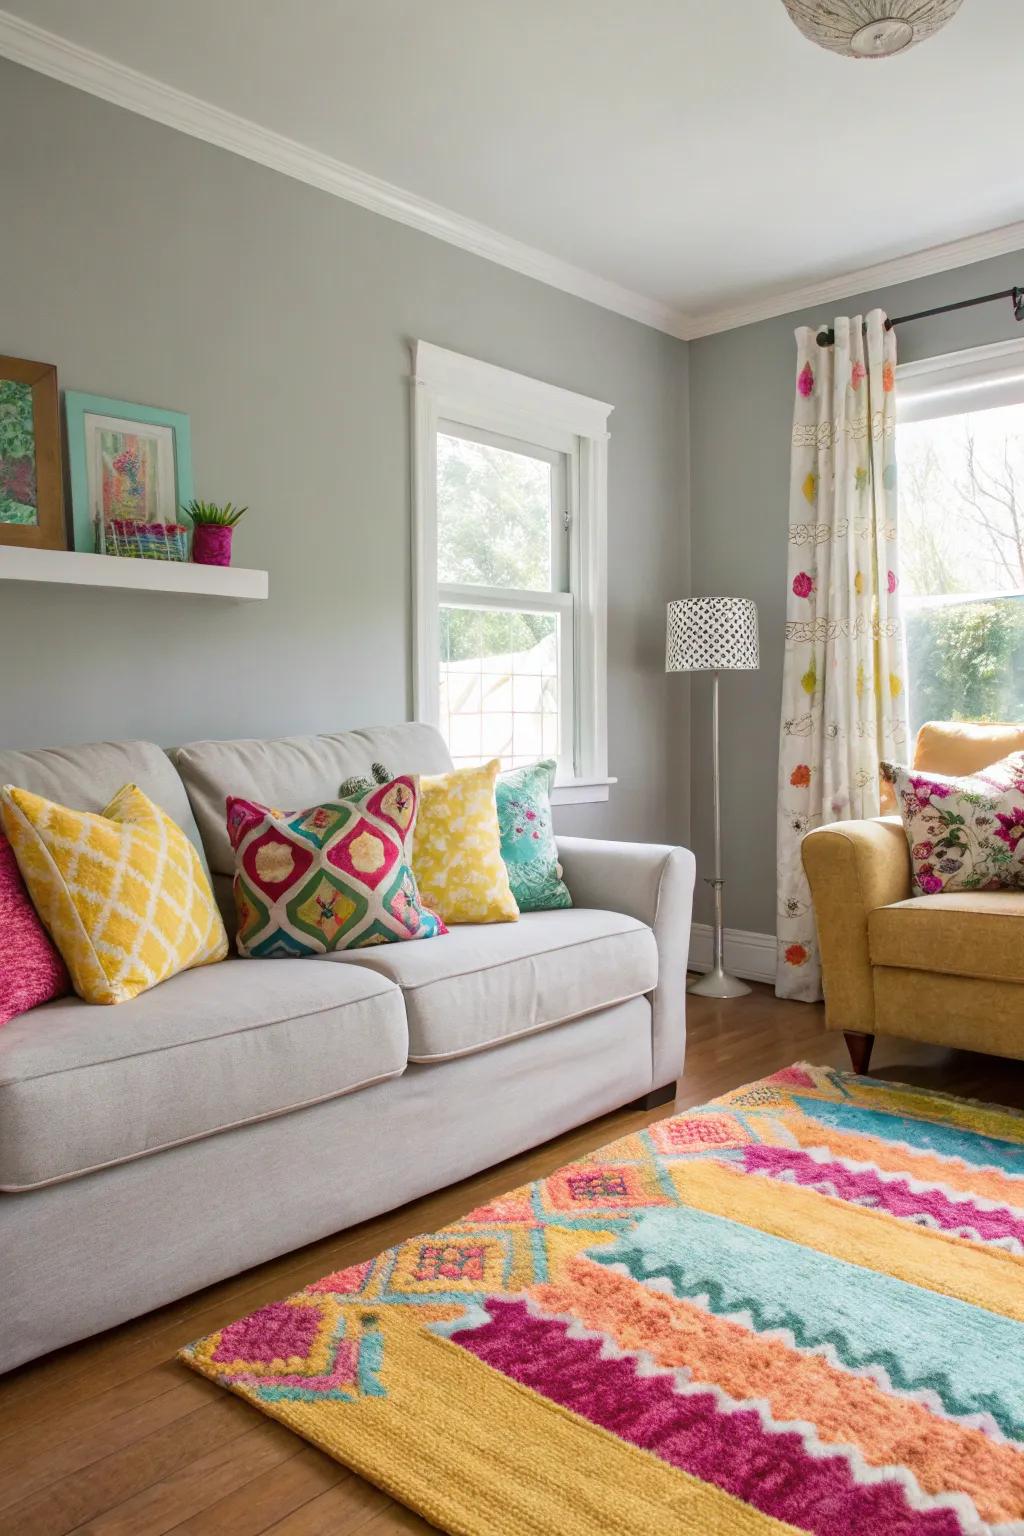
211 544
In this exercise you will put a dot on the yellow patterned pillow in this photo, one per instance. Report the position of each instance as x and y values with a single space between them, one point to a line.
123 894
456 855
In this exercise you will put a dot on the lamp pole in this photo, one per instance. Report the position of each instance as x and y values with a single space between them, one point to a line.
717 982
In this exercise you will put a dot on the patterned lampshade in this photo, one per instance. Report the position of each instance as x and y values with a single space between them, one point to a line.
711 634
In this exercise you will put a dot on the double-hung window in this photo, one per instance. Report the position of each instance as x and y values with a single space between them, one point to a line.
510 568
960 447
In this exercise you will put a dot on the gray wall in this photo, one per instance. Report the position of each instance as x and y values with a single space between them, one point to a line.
152 267
740 421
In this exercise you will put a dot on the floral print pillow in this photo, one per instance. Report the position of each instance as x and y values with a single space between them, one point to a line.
965 834
527 838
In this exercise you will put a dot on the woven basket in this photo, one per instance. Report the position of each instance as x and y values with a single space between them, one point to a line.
146 541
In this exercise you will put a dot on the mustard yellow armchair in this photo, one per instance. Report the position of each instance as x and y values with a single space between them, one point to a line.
947 969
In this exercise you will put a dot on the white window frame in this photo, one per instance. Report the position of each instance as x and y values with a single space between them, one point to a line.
955 383
450 389
556 600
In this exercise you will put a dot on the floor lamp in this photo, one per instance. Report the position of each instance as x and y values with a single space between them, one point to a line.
713 634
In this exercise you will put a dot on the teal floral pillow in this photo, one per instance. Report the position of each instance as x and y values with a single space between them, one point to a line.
528 840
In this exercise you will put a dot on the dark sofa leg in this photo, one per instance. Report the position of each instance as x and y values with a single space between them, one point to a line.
655 1098
859 1047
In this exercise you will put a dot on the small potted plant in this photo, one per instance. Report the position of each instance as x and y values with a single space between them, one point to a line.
212 527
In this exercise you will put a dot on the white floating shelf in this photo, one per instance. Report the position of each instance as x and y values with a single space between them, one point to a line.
64 567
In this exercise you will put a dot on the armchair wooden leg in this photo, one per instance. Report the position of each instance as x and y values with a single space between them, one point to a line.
859 1047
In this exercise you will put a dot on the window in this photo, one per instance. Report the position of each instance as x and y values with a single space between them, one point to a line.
961 467
510 568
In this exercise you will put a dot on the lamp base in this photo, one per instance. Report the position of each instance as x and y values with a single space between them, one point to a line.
718 983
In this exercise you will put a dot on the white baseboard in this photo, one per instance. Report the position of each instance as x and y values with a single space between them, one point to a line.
750 955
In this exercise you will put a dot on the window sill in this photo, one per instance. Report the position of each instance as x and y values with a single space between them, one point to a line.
580 791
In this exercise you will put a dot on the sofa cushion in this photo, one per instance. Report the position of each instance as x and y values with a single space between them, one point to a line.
483 985
966 933
293 771
83 1087
87 778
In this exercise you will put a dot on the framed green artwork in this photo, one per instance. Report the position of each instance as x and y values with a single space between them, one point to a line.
130 462
31 488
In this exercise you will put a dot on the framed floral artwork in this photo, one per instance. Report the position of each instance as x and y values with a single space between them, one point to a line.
128 463
31 487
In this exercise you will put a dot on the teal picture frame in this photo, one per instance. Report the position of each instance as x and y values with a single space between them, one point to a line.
78 407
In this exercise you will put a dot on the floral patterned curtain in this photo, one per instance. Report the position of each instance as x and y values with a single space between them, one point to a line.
843 700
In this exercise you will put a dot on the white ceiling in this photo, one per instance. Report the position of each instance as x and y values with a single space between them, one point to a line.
699 153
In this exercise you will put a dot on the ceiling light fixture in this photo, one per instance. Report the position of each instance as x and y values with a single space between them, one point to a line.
870 29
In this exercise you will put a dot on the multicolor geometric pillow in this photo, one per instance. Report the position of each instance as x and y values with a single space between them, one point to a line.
123 893
527 839
457 856
965 833
32 971
335 876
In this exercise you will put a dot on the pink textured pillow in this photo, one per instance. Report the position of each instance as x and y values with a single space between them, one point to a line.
31 970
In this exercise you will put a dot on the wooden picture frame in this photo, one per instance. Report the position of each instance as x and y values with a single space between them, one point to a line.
31 485
160 445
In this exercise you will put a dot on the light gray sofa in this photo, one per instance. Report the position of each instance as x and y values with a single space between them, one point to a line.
243 1109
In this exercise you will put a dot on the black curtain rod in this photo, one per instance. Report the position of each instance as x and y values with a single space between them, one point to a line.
827 338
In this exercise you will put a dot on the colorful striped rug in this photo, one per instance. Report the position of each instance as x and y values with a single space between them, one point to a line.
799 1308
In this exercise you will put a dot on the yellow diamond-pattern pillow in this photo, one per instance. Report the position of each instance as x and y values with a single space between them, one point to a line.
456 855
123 893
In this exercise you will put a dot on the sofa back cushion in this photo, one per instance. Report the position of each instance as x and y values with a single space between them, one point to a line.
87 778
959 747
290 772
956 748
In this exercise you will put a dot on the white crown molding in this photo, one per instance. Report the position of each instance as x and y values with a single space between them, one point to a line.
750 955
34 47
24 43
884 274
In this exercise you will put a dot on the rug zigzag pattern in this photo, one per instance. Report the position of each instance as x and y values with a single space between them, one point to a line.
749 1313
861 1471
749 1366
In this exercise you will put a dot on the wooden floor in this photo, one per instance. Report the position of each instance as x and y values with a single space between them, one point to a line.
112 1436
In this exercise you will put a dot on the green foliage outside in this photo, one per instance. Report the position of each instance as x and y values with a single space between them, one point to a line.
967 661
17 454
472 632
494 530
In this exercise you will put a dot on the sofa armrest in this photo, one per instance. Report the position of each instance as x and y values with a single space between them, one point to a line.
652 882
853 867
